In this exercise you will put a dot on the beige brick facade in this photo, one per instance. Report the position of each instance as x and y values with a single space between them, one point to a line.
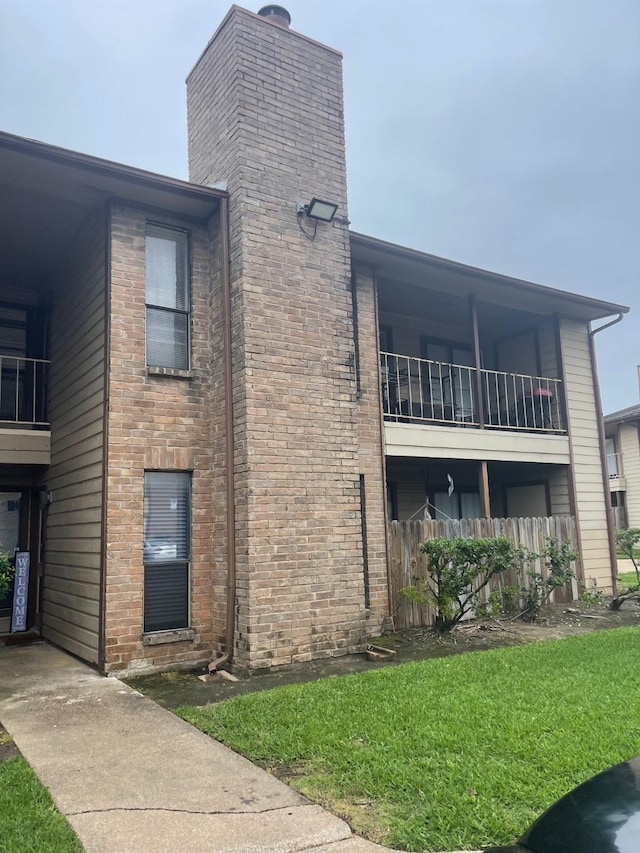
163 423
266 114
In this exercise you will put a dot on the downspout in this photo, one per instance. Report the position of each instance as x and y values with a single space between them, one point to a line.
601 438
102 613
383 454
226 657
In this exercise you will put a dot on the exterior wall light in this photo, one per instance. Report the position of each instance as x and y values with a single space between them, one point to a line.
318 209
324 211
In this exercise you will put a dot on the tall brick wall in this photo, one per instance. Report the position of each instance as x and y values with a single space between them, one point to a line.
163 423
266 114
371 442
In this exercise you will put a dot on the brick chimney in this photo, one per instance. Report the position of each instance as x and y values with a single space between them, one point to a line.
265 113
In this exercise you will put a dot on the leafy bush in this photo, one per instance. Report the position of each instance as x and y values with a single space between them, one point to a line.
458 569
626 540
591 595
500 601
558 558
7 572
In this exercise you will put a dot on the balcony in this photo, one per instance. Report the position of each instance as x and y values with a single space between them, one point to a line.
417 390
23 392
617 481
24 427
614 466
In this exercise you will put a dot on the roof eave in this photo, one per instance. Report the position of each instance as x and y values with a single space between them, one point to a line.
108 168
622 417
601 309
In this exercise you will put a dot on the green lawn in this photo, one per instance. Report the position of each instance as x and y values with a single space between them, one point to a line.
622 556
458 752
29 822
627 579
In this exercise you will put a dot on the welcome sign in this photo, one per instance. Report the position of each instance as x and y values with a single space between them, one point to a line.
20 592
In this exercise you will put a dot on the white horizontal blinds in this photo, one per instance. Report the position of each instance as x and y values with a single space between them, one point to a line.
167 497
167 339
167 296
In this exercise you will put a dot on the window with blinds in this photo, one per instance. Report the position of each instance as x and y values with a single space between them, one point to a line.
457 505
167 546
167 297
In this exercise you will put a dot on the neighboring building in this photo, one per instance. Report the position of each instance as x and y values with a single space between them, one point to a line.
622 432
212 403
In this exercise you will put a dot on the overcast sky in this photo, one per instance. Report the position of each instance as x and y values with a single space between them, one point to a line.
500 133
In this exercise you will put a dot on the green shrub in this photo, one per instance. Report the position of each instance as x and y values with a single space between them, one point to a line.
558 558
626 540
499 602
7 572
458 569
591 595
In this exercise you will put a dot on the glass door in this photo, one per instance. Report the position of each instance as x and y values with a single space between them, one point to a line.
450 387
10 528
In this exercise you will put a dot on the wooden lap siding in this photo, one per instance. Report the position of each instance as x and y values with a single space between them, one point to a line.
71 588
585 450
559 492
629 448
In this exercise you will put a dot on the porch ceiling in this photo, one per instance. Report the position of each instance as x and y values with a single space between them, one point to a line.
46 192
35 229
412 301
394 264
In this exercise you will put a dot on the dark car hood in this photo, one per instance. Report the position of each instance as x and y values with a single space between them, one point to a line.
600 816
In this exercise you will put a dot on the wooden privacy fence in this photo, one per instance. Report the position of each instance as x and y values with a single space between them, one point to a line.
408 563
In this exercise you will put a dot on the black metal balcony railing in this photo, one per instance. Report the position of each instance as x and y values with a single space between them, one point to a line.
23 391
431 391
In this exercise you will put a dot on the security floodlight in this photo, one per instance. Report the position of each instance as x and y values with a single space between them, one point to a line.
319 209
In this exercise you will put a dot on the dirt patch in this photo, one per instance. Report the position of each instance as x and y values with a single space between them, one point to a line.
172 689
8 749
364 816
554 622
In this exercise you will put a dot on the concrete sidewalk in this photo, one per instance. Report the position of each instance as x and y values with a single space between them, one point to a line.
131 777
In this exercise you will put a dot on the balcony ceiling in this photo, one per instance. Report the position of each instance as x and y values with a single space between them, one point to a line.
395 264
452 311
47 192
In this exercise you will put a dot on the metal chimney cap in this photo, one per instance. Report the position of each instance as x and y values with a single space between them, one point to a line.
277 15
